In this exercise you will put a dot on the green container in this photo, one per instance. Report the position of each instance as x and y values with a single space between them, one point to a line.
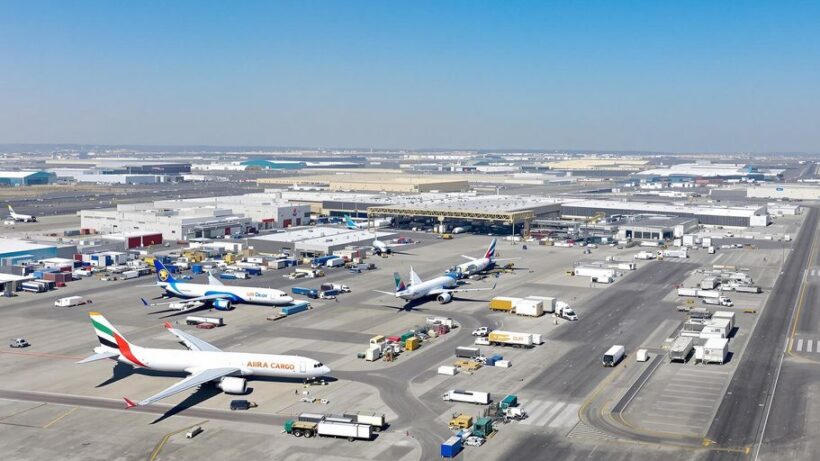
509 401
289 426
407 336
483 427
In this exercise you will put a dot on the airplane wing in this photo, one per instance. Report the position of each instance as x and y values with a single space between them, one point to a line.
385 293
439 291
192 342
199 377
470 258
187 300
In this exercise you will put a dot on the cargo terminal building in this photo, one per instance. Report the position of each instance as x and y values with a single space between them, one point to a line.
737 216
315 241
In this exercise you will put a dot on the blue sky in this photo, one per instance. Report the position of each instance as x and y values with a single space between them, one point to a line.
670 76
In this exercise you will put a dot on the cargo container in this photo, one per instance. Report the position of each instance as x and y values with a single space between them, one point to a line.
715 350
529 307
196 268
33 287
309 292
503 303
709 283
681 348
69 301
447 370
412 343
446 321
451 447
295 308
547 303
718 327
130 275
456 395
746 289
645 255
468 352
681 253
725 315
596 272
194 320
512 338
373 353
613 355
509 401
375 420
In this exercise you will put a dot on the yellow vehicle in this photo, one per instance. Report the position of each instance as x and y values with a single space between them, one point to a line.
447 236
461 421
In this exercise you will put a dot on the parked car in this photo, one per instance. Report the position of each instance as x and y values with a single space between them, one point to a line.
481 331
18 343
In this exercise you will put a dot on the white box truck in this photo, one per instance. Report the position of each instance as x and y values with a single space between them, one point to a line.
547 302
529 307
687 291
613 355
69 301
595 272
512 338
715 350
455 395
645 255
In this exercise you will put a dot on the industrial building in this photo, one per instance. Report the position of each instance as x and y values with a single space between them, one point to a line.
384 182
266 210
262 164
26 178
709 170
173 224
736 216
14 251
785 191
94 176
655 227
314 241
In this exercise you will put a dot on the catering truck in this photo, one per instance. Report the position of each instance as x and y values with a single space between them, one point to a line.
455 395
69 301
719 301
613 355
512 338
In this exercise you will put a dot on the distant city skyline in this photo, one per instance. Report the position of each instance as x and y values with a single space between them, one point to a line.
694 77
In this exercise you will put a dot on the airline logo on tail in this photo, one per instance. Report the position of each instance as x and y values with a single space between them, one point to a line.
349 222
111 339
490 254
400 286
162 273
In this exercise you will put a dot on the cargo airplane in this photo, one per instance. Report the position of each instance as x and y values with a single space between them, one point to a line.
204 362
478 265
442 287
21 217
378 247
221 297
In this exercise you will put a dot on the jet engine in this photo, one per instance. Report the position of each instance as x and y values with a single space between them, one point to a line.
231 385
444 298
223 304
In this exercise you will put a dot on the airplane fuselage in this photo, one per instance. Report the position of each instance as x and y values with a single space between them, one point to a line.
236 294
423 289
475 266
268 365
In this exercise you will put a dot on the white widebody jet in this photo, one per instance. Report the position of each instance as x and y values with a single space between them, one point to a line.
478 265
378 247
221 297
21 217
203 361
442 287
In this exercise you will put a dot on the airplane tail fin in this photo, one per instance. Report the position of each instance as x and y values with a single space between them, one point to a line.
163 274
11 210
349 222
490 254
414 277
400 286
111 340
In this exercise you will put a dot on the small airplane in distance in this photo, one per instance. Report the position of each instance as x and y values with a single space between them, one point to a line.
21 217
204 362
215 293
478 265
442 287
352 224
377 246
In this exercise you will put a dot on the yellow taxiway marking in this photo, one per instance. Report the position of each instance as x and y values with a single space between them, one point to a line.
57 419
801 296
167 437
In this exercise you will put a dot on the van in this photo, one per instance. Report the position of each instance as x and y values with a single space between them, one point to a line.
193 432
242 405
613 355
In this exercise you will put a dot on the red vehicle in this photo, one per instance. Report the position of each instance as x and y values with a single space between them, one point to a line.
205 326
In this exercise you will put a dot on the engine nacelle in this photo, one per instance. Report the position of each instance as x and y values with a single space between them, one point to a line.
231 385
444 298
223 304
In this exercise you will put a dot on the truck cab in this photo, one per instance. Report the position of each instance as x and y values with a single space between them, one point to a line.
481 331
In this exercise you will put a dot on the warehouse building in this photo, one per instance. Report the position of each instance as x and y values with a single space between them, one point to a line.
262 164
737 216
13 251
314 241
709 170
173 224
26 178
785 191
374 182
655 227
266 210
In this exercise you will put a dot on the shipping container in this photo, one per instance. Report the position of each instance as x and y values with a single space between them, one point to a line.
503 303
715 350
468 352
309 292
547 303
456 395
295 308
451 447
529 307
680 349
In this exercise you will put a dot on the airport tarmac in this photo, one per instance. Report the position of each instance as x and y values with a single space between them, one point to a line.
59 404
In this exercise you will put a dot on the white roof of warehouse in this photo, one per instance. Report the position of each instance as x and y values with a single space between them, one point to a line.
306 233
662 208
17 174
13 245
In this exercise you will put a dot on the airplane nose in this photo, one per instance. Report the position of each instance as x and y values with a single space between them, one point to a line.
325 370
288 299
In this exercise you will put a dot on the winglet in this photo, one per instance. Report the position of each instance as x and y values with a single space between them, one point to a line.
168 325
128 403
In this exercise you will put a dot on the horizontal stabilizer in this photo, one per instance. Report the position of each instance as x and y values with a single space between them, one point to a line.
100 356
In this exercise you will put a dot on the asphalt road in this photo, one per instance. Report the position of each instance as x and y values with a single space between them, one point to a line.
740 417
